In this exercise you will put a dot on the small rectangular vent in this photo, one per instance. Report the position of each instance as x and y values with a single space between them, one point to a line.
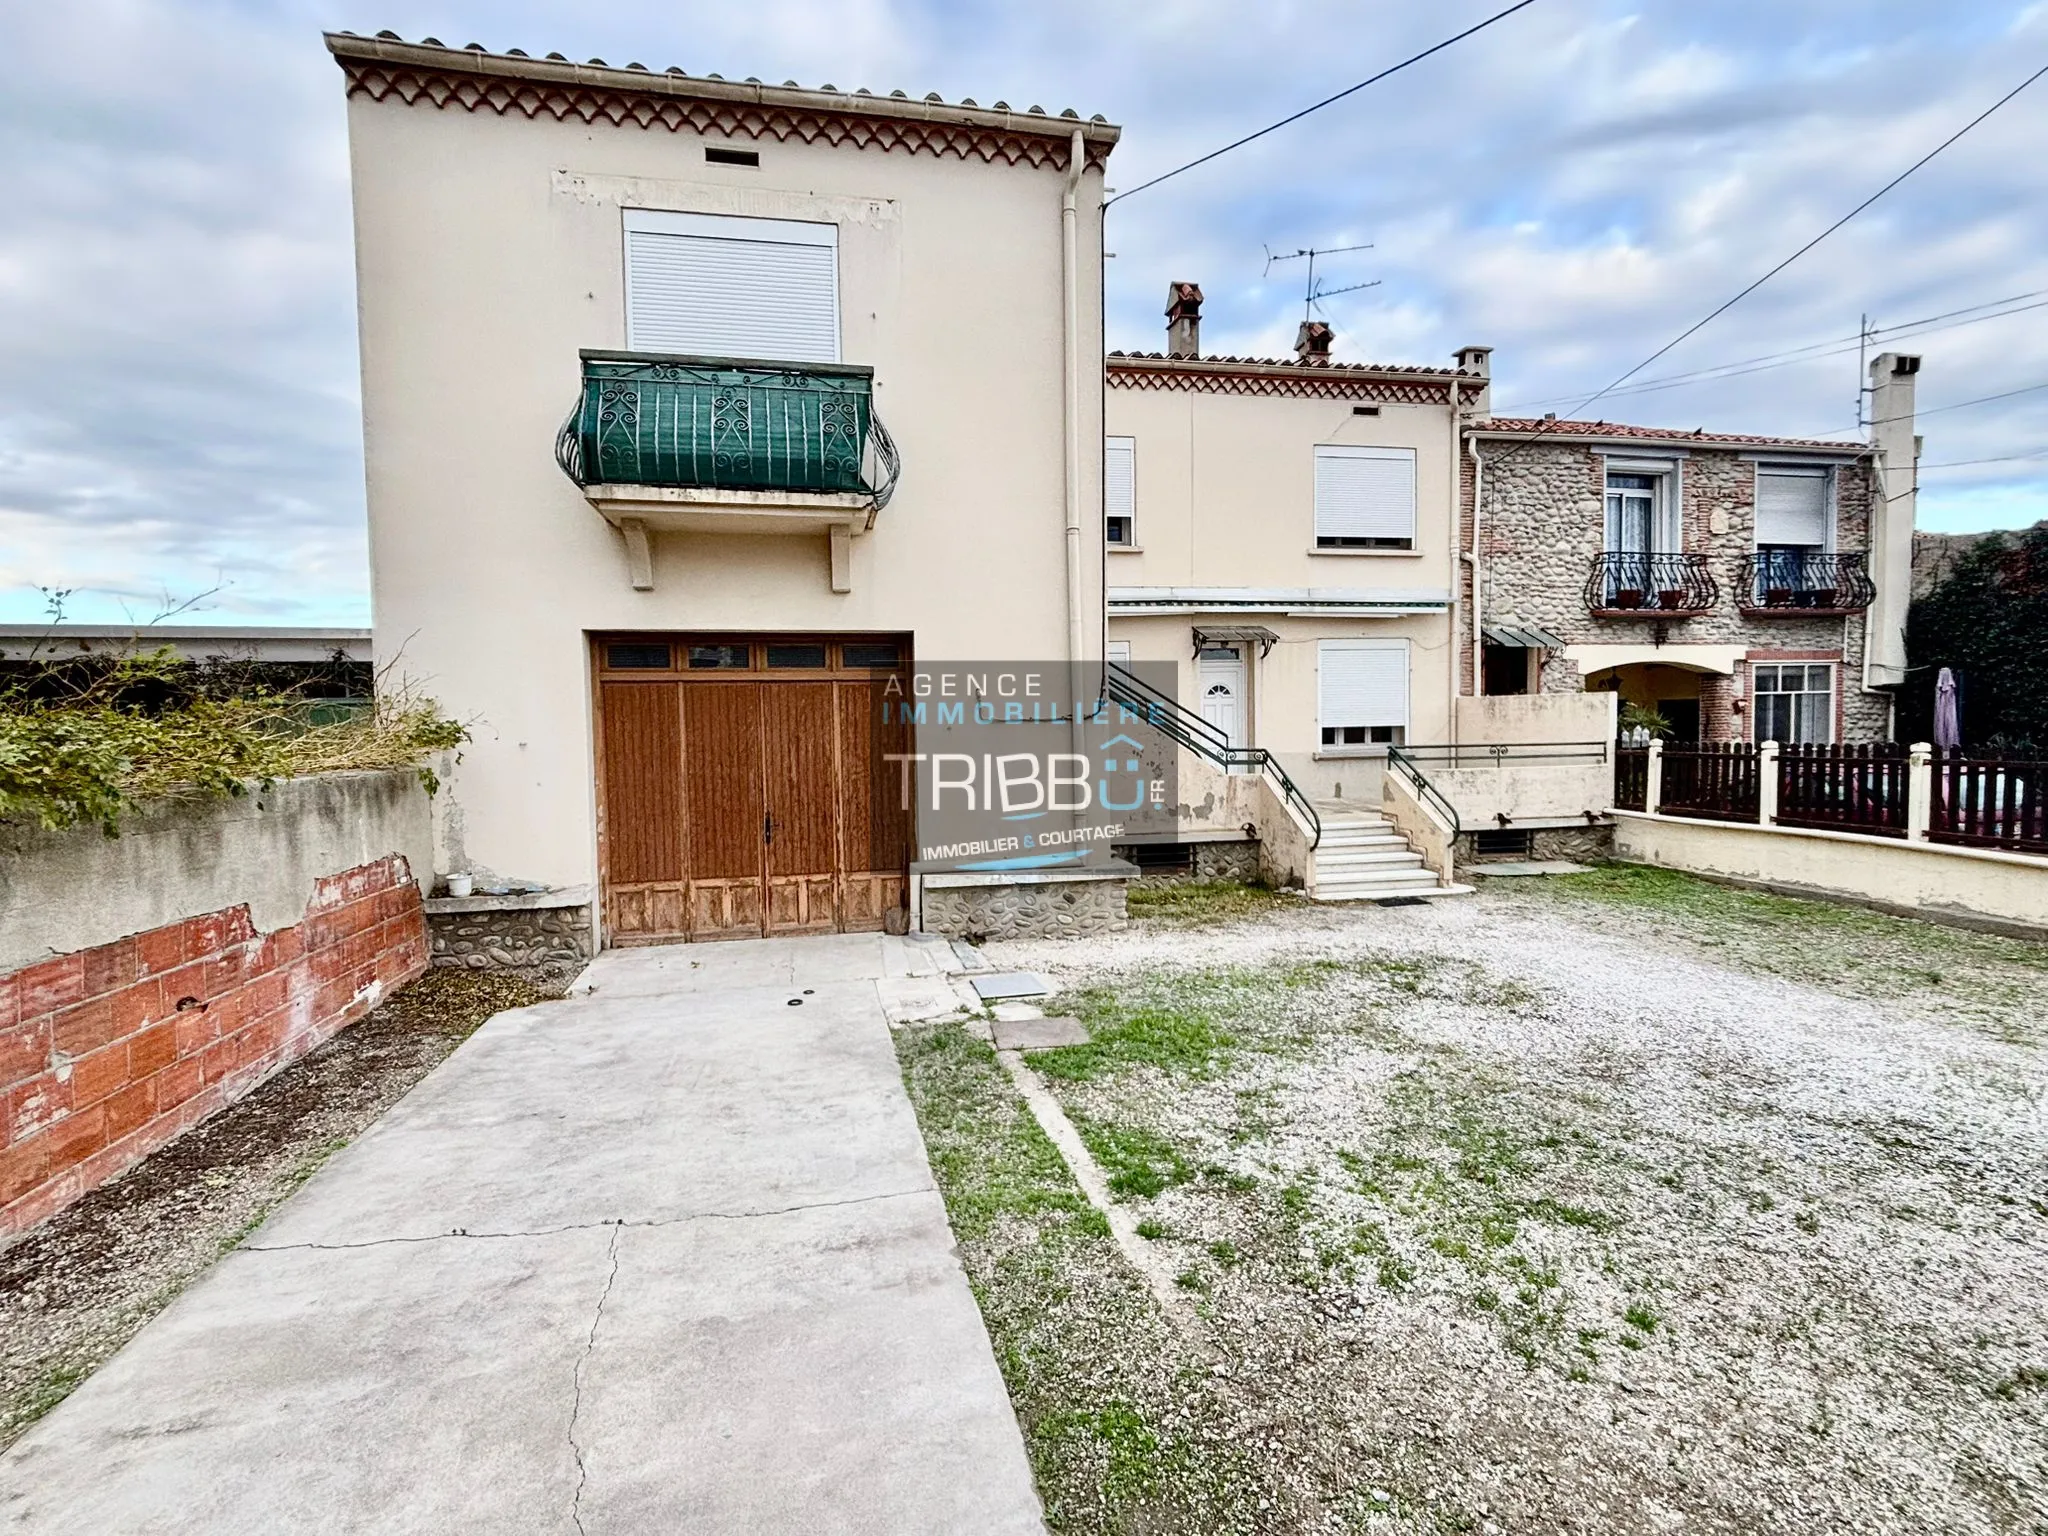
715 156
1506 842
1365 410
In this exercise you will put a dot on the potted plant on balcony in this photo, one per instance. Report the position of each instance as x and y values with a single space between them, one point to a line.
1777 597
1671 598
1628 597
1817 597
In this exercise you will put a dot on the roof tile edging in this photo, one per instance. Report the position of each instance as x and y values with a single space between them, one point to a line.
475 80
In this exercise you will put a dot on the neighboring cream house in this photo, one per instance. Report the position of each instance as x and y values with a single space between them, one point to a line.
629 343
1284 531
1744 587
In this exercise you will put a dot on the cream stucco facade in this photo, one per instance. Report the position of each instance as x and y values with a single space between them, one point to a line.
489 198
1223 537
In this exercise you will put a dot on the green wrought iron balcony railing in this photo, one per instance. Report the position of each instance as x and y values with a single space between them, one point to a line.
731 424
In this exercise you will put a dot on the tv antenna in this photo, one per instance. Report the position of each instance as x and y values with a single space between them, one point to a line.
1312 296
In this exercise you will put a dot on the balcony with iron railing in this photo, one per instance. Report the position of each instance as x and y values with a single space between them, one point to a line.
1650 586
1796 583
664 444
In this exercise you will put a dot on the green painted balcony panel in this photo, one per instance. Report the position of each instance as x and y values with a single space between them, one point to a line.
727 424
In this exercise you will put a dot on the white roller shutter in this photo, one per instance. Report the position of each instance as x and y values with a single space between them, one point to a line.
701 285
1792 507
1361 682
1120 477
1365 493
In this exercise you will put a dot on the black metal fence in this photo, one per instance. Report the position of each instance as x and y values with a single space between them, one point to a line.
1631 778
1989 802
1714 779
1851 788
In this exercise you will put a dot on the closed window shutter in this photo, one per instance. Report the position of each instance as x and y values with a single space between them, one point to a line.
1365 493
1792 507
1362 682
1120 477
705 286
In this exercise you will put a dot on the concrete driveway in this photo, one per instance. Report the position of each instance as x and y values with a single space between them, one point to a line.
665 1256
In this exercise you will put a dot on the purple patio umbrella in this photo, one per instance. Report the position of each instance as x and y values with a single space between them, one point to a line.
1948 730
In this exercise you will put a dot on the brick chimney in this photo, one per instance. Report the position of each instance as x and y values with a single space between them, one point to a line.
1312 342
1183 320
1897 453
1479 360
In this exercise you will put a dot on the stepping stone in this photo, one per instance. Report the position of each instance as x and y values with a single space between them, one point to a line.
1038 1034
1012 984
1017 1013
1520 868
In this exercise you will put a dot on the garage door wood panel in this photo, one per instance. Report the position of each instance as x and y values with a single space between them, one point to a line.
799 746
643 800
722 773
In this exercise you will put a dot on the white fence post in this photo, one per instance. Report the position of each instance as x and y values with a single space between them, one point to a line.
1919 790
1767 784
1653 777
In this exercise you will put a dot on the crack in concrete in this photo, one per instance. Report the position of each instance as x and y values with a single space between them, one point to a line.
576 1407
585 1226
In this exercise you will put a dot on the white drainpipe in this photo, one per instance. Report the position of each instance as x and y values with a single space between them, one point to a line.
1070 256
1456 561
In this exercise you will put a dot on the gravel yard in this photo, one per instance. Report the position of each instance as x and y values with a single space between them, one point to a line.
1613 1203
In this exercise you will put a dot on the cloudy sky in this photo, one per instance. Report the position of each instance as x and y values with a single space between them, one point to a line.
178 407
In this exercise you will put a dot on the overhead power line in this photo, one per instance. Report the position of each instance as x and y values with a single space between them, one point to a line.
1296 117
1818 351
1721 309
2003 458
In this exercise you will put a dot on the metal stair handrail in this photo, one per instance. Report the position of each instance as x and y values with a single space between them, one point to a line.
1205 739
1400 761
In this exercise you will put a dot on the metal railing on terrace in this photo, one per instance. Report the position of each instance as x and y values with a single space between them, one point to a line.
721 423
1650 586
1797 581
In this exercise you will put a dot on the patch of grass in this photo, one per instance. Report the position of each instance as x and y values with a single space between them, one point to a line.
1641 1318
1224 1252
48 1390
1124 1436
1150 1230
2027 1378
1195 903
964 1101
1137 1161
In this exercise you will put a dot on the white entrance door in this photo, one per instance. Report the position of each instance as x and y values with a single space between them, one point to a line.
1219 683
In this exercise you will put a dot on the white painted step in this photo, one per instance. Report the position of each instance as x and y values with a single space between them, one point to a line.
1328 860
1385 874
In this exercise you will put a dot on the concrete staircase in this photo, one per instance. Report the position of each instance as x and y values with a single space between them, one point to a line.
1362 857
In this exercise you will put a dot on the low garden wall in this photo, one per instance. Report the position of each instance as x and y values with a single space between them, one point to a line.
1971 887
150 979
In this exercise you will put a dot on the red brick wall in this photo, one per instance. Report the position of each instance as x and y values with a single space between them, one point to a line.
107 1053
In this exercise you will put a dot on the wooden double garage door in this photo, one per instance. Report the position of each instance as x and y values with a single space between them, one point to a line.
744 789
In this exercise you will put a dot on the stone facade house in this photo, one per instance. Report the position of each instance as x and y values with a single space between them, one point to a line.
1743 587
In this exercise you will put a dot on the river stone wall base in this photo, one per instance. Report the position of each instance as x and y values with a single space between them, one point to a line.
1225 861
1065 909
548 946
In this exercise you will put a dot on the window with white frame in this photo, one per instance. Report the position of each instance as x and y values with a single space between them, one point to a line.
709 285
1365 497
1793 700
1120 492
1362 691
